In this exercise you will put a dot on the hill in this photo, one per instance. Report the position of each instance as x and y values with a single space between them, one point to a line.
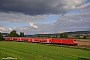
76 34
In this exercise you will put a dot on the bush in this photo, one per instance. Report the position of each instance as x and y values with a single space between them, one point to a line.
1 36
84 37
13 34
63 35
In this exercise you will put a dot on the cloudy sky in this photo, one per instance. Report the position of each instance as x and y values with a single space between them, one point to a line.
44 16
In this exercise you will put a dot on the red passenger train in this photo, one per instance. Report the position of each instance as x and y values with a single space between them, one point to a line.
70 41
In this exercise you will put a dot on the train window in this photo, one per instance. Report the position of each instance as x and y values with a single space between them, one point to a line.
32 40
74 40
63 39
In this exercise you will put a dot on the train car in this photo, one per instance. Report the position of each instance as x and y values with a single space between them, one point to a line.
36 40
8 38
40 40
46 40
70 41
24 39
16 38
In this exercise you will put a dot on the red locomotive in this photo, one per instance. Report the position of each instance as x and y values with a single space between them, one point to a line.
70 41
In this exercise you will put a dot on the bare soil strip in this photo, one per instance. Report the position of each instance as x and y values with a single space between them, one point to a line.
84 43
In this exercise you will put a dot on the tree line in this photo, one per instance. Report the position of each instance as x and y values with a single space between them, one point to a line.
61 35
1 36
15 34
12 34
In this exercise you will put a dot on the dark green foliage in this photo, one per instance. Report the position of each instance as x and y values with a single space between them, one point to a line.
21 34
13 34
84 37
63 35
1 37
48 35
82 58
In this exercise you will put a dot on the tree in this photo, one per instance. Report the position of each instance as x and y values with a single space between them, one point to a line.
84 37
1 36
63 35
13 34
21 34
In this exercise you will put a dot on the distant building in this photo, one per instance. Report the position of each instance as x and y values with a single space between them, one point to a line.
4 34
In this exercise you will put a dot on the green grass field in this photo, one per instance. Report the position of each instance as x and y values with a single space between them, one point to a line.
34 51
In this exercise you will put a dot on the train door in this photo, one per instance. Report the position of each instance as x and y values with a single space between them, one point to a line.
48 41
32 40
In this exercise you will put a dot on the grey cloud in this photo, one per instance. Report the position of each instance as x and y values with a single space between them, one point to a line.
84 6
74 22
79 21
19 17
69 22
39 7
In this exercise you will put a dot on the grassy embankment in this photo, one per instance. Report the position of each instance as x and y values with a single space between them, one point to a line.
33 51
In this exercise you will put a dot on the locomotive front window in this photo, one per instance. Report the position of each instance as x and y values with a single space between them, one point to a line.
74 40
